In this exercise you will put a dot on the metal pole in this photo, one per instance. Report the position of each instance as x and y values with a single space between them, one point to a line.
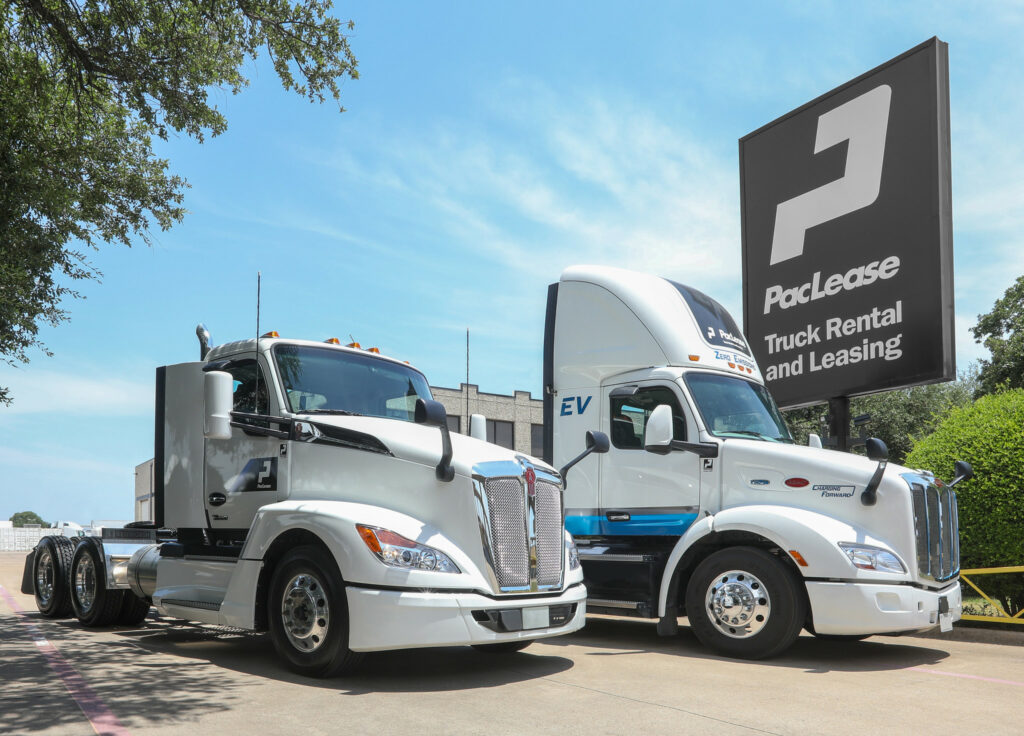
466 428
839 421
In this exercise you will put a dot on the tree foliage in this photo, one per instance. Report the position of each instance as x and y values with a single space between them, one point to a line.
85 85
897 417
1002 332
27 517
988 435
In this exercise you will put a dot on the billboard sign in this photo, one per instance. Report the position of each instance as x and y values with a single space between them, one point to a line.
847 236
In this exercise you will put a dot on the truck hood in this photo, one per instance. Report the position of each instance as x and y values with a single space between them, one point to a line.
420 444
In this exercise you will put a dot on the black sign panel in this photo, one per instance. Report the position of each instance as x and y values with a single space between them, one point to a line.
847 236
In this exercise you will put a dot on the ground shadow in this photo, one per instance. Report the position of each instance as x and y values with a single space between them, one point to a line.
616 636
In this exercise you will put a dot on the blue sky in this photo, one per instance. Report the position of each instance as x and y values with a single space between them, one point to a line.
484 149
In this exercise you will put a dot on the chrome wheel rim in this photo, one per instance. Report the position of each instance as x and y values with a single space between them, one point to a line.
738 604
85 582
44 578
305 612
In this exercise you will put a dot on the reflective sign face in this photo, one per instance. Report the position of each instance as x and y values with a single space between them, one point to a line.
847 236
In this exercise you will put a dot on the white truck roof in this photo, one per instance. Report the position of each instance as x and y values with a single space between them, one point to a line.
612 320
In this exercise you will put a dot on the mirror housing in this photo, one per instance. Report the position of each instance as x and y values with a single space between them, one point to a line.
218 401
813 440
432 414
876 450
658 436
478 427
963 470
596 442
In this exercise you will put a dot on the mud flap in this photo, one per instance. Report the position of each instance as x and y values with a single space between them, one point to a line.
27 583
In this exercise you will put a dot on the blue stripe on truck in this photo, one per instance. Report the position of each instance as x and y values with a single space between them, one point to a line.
638 525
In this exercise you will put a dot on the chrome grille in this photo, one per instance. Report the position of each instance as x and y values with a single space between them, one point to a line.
550 545
936 525
506 505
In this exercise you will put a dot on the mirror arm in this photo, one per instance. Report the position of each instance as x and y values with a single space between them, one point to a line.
697 448
444 471
869 496
565 468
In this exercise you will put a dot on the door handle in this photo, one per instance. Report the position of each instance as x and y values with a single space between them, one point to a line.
617 515
216 499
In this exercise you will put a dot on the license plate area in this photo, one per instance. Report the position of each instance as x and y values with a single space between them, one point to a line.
536 617
524 619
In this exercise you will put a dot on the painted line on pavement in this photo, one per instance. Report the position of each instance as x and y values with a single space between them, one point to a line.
100 717
966 677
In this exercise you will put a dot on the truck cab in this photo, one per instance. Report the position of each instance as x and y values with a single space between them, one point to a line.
704 505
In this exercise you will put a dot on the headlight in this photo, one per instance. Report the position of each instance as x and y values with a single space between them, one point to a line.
574 554
395 550
866 557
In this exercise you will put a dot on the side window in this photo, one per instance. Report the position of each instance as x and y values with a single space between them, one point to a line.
629 417
250 388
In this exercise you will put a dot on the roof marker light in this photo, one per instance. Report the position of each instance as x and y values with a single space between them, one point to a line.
354 345
332 341
733 365
272 333
695 358
375 351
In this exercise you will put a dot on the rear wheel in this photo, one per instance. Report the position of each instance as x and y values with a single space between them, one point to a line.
308 614
94 604
743 602
50 576
503 647
133 611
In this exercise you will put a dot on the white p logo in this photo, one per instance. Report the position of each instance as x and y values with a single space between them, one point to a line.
863 121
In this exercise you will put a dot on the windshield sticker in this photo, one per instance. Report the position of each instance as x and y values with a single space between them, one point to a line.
835 491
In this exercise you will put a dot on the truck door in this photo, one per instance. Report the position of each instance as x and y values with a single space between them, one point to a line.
643 494
248 470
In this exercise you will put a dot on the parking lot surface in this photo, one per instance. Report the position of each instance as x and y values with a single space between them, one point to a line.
616 676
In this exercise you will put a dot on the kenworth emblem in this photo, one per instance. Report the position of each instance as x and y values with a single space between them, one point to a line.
531 482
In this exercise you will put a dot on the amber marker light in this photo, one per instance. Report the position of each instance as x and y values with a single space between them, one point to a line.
798 557
354 345
375 351
695 358
332 341
272 333
370 538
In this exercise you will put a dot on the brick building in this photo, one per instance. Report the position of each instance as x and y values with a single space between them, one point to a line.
515 422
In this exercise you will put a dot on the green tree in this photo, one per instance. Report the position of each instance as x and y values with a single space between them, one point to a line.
1002 332
85 85
27 517
988 435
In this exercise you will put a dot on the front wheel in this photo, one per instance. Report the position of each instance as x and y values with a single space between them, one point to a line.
308 614
742 602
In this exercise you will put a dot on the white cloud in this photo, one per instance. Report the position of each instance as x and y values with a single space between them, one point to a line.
45 391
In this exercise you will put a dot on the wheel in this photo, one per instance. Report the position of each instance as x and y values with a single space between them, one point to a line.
743 602
50 576
133 611
92 602
503 647
308 614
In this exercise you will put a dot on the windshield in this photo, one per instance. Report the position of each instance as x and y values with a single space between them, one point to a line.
328 381
733 407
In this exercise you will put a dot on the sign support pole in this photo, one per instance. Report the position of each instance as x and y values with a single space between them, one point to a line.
839 422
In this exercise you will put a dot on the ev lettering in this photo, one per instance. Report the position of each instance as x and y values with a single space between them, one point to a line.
863 121
581 405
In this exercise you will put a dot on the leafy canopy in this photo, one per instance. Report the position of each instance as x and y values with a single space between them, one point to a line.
1002 332
84 87
27 517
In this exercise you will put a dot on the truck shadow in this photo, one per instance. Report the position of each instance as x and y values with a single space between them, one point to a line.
435 669
615 636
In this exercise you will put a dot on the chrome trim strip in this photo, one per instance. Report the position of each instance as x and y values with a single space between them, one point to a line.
597 556
631 605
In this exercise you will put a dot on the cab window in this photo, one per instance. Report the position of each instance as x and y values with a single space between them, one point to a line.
250 389
629 417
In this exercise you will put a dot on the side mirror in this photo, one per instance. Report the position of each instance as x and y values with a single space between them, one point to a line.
658 431
218 401
963 470
596 442
813 440
876 450
478 427
432 414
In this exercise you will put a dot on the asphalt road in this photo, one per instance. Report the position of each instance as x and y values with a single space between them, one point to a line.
617 676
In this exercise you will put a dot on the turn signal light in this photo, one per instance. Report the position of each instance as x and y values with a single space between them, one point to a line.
332 341
798 557
272 333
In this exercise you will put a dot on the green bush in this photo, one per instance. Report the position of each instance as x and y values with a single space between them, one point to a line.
990 436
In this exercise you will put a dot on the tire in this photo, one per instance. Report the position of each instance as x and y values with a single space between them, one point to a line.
93 603
133 611
308 614
503 647
742 602
50 577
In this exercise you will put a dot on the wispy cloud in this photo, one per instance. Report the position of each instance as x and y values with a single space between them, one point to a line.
47 391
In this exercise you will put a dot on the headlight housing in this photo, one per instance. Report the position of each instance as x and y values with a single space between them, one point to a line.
394 550
866 557
574 554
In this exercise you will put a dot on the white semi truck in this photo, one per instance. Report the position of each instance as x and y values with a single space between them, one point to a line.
313 490
704 506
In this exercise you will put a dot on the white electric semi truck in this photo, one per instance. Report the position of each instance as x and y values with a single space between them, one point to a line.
313 490
704 506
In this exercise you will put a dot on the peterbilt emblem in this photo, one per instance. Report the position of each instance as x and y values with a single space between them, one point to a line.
531 482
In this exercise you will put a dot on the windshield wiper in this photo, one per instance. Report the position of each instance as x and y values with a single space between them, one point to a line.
341 412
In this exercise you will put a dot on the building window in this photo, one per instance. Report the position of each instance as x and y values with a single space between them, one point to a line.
454 424
537 440
500 433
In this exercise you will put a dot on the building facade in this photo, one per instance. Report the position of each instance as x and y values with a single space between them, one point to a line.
515 422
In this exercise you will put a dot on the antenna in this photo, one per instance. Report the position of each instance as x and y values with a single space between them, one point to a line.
467 381
256 350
